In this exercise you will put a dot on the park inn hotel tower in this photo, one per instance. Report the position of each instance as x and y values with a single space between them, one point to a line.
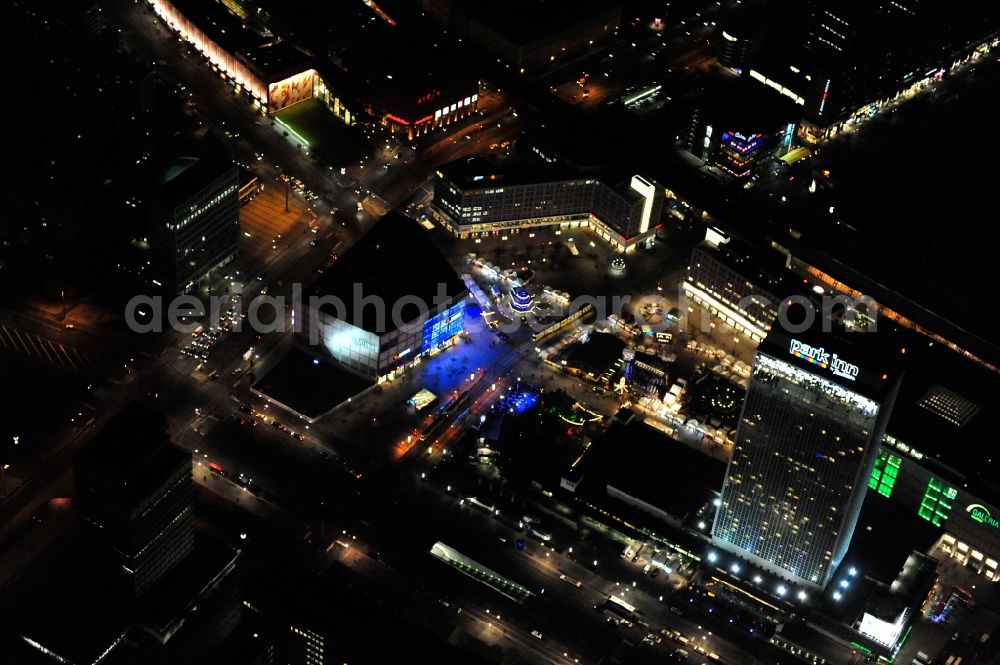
808 436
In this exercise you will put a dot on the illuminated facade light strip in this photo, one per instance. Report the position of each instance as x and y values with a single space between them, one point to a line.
865 406
648 192
218 56
292 130
723 308
798 99
643 94
735 588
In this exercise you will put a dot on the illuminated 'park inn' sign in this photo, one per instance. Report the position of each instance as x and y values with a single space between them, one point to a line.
822 358
980 513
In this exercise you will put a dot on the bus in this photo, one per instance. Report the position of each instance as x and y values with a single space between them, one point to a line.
620 607
541 535
569 580
479 504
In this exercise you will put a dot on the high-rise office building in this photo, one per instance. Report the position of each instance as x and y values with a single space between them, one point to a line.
810 429
193 222
134 489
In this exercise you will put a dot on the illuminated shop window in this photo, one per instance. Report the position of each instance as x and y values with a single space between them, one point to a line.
883 477
937 502
442 327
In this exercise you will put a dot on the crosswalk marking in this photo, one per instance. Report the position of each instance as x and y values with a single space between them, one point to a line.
47 350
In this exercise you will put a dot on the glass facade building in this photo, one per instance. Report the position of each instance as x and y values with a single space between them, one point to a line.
805 449
389 300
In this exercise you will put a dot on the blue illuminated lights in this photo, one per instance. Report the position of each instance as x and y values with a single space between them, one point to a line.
739 152
741 143
519 402
442 327
521 300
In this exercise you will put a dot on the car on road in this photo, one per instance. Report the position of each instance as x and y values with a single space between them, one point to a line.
536 634
216 469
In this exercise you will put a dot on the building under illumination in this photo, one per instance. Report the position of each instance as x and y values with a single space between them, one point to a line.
192 222
135 493
391 299
473 196
738 284
737 125
273 74
808 436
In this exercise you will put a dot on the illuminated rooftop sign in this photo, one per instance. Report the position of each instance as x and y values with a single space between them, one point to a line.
980 513
821 357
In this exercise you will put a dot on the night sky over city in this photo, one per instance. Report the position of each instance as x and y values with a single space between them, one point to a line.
600 332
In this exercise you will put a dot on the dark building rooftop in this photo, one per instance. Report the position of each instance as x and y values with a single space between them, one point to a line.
181 179
307 387
73 611
286 597
475 172
394 260
526 21
944 411
131 456
741 105
695 478
886 533
174 596
219 25
596 355
765 268
276 61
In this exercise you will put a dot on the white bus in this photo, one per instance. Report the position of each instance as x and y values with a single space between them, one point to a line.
541 535
619 606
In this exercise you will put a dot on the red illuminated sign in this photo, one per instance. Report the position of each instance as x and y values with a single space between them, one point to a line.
429 96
